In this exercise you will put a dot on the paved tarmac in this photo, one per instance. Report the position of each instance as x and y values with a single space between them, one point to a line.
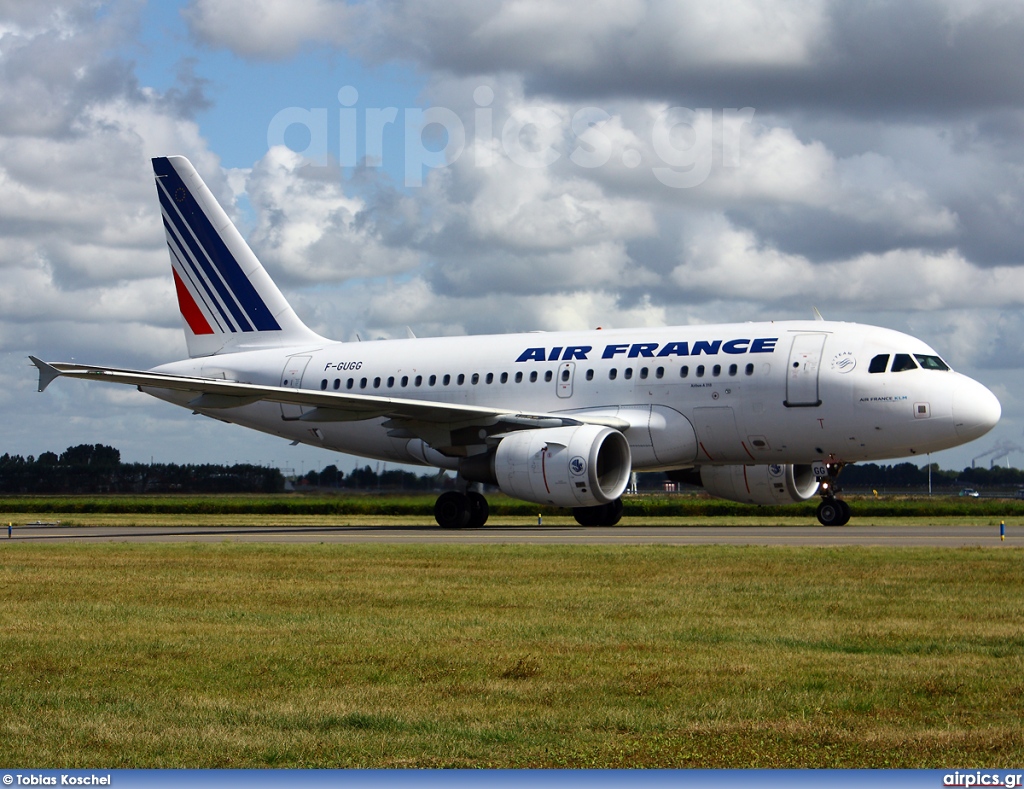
627 534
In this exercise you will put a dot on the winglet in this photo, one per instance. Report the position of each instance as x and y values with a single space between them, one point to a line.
47 372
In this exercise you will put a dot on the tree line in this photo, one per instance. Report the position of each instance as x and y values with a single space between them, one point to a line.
96 468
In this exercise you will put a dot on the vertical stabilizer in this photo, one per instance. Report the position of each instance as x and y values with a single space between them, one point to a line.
228 301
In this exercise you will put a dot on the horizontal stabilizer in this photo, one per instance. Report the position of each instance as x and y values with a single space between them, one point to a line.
47 372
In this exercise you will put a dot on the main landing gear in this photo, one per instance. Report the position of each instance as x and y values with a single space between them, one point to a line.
455 510
469 510
832 511
602 515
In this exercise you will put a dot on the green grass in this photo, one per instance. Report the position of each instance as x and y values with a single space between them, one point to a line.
422 504
242 655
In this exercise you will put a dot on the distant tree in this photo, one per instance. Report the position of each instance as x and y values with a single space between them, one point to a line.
331 477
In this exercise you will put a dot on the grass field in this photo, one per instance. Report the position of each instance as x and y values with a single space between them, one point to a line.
344 503
242 655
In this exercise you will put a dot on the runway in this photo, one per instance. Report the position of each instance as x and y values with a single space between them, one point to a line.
956 536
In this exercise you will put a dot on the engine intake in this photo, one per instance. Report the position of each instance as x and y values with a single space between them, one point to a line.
579 466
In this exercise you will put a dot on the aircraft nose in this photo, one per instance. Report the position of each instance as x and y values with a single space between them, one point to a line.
975 410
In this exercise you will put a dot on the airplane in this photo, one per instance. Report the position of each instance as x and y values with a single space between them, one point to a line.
763 413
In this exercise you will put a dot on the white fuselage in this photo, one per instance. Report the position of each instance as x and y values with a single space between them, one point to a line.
747 393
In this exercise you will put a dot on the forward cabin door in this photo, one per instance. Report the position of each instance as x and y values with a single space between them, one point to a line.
802 375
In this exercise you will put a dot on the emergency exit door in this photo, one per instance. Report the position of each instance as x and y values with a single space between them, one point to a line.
291 378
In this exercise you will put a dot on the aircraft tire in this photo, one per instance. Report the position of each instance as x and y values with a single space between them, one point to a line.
833 512
478 509
601 515
452 510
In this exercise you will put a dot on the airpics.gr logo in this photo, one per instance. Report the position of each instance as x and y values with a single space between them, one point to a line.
844 362
578 466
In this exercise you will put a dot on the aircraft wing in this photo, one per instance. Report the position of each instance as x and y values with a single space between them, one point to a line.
442 425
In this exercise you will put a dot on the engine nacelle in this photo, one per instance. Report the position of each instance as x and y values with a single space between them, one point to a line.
579 466
774 484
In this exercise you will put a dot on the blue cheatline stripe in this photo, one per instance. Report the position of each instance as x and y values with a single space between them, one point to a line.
203 288
189 276
194 247
192 214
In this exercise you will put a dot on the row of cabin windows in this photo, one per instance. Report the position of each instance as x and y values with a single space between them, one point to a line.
446 380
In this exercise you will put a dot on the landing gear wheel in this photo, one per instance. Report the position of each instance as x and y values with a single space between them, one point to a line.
833 512
602 515
452 510
478 509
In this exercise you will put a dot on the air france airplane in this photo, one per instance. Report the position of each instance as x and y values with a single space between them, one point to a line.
765 413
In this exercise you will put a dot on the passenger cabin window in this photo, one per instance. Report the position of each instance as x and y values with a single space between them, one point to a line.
879 363
902 362
930 362
548 376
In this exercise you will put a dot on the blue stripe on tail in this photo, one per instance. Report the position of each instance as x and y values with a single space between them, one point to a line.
205 246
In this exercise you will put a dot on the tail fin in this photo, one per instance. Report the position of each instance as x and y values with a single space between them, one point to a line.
227 299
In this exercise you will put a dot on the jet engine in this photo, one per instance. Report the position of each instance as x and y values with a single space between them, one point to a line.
774 484
578 466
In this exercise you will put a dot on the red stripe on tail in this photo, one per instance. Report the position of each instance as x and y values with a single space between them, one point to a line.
189 309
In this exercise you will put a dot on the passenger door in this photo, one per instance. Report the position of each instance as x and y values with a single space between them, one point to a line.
802 374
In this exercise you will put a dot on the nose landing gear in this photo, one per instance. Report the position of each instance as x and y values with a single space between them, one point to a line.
831 511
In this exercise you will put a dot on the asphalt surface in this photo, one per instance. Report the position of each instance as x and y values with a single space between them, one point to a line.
628 534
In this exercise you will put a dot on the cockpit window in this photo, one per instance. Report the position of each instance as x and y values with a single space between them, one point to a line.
902 362
879 363
930 362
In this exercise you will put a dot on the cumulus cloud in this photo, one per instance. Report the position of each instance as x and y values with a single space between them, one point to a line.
269 29
309 228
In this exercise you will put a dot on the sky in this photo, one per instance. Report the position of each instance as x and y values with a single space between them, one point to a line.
487 166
